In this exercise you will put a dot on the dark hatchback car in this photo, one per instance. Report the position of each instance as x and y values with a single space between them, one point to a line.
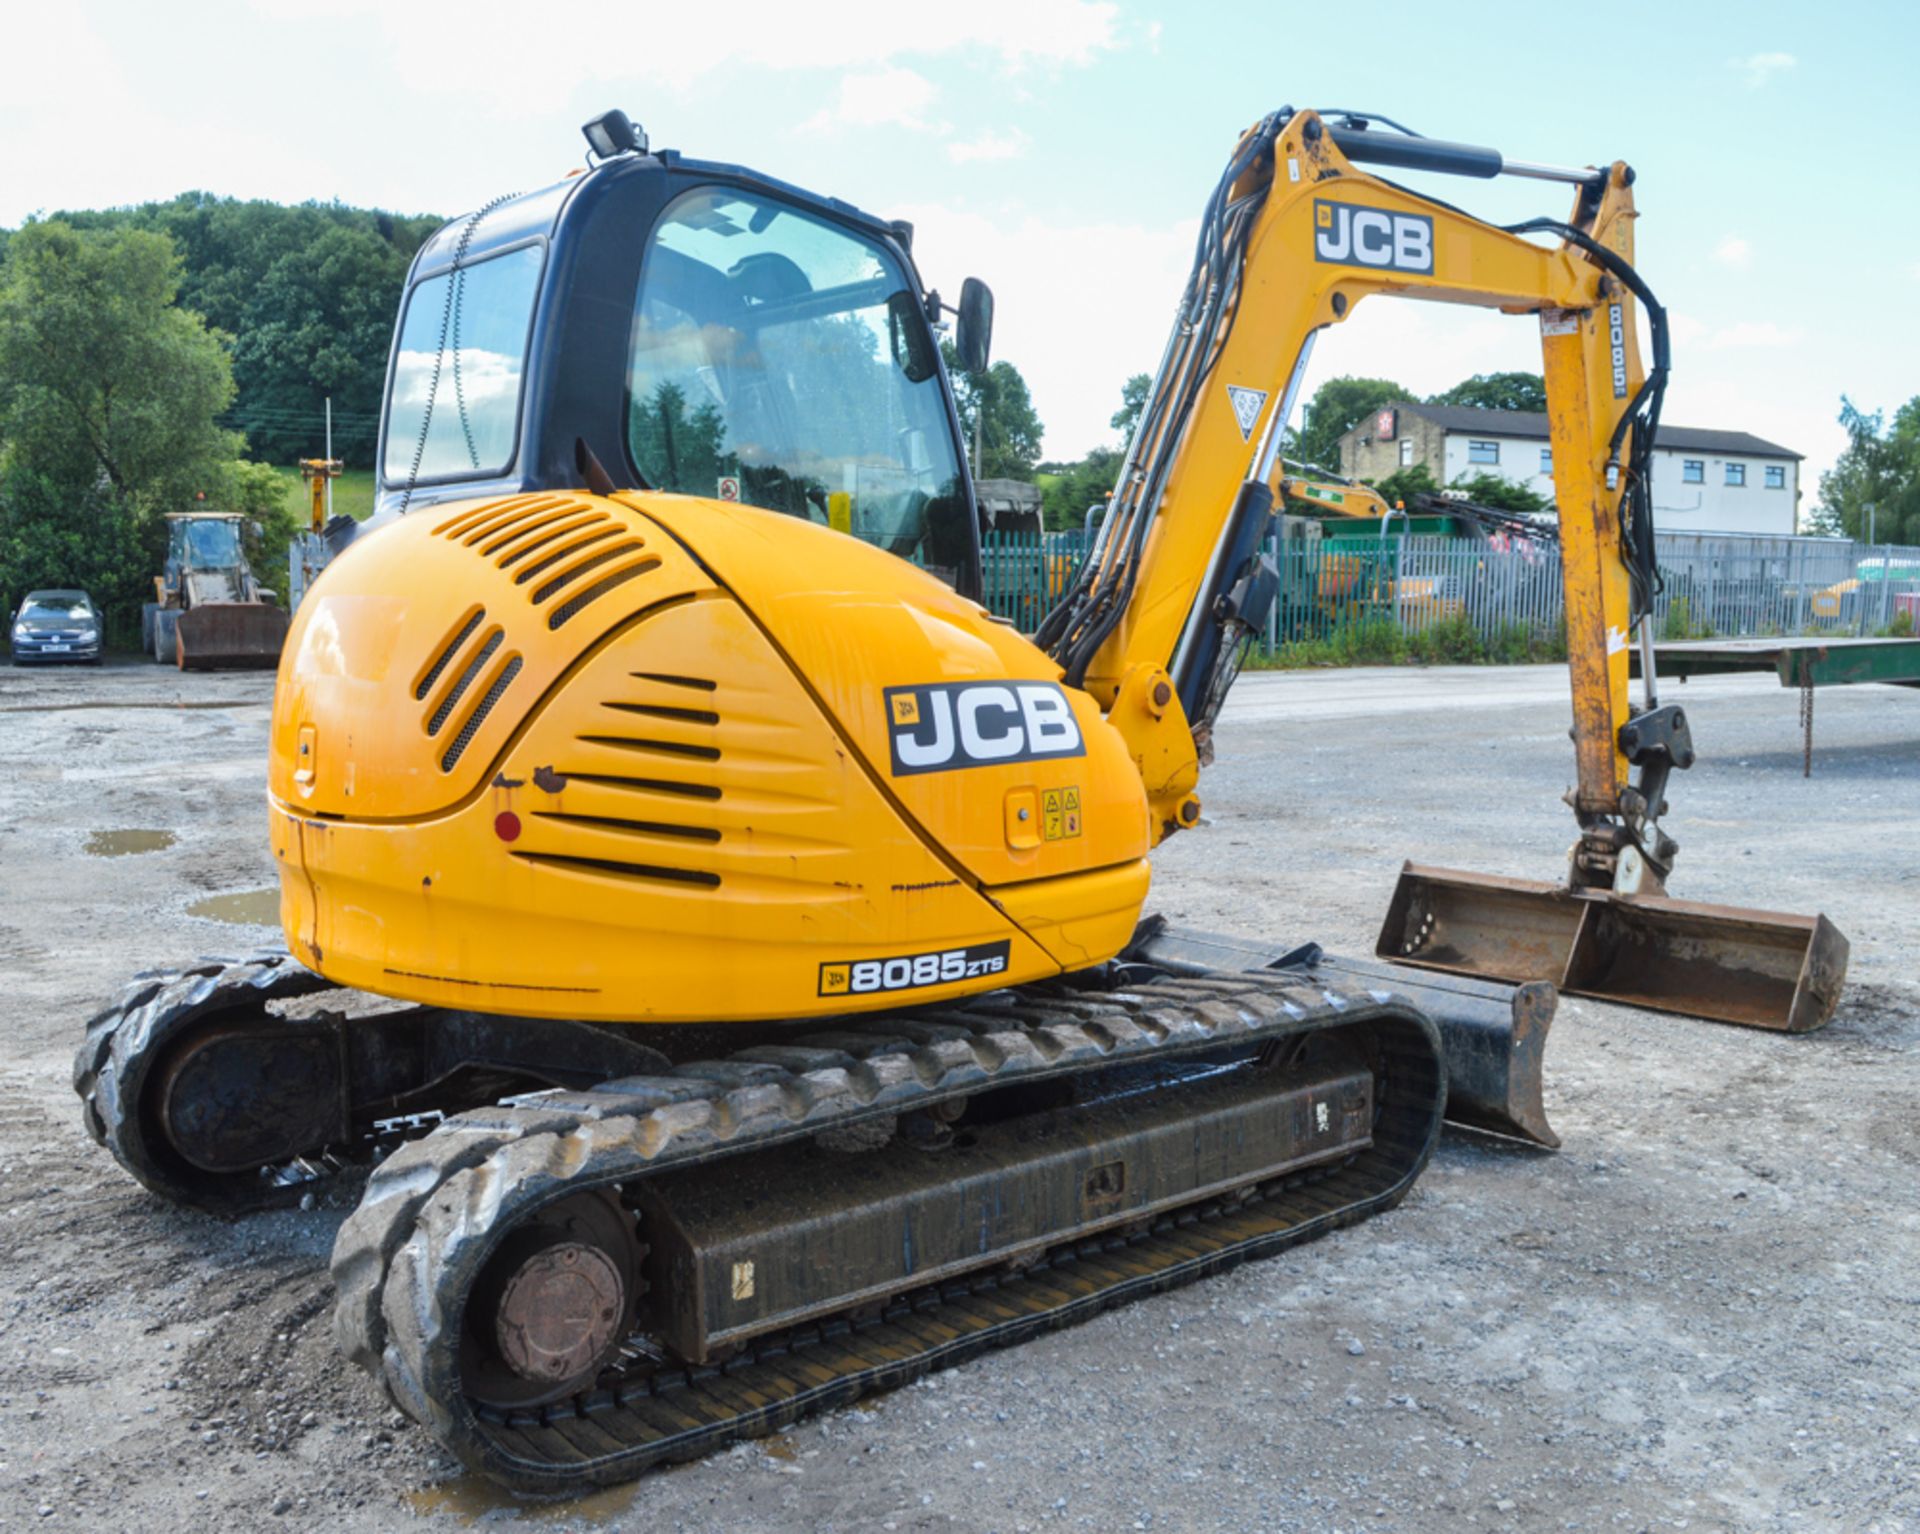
56 625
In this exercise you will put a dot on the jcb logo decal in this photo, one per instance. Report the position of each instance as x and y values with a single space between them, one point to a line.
947 725
1348 235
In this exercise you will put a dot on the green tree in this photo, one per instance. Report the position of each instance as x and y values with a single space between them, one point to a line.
1497 391
310 293
1879 468
1501 494
1010 427
104 380
1073 487
110 394
316 326
1133 400
1338 405
1402 485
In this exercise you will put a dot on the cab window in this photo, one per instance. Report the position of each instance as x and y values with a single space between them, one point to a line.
455 397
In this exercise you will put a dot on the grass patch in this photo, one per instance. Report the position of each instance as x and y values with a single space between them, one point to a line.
1380 641
353 494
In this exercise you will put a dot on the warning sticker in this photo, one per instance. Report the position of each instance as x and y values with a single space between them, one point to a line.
728 489
1059 814
1247 405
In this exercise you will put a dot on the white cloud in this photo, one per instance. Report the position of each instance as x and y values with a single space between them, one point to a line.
1755 333
989 146
893 97
1760 68
1733 251
669 46
1684 327
1077 327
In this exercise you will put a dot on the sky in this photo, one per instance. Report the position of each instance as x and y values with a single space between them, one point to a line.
1062 150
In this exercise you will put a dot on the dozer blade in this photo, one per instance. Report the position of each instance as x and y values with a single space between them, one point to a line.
231 636
1493 1034
1763 969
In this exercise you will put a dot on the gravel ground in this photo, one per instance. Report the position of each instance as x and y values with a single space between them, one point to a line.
1698 1315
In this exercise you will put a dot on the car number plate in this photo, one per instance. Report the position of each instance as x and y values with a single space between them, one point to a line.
56 649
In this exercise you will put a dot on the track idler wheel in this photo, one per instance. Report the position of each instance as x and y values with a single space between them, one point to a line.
553 1304
237 1098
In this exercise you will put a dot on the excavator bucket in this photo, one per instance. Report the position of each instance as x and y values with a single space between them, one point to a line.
231 636
1763 969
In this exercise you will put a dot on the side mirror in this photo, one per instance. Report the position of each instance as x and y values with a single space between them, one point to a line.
973 338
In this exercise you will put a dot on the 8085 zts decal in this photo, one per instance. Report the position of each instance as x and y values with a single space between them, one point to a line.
864 977
939 726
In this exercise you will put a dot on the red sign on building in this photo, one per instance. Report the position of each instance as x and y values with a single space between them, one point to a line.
1383 425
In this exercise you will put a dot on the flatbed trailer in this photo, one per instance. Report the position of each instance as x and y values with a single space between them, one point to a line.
1803 663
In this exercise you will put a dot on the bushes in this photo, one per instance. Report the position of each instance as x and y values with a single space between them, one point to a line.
1379 641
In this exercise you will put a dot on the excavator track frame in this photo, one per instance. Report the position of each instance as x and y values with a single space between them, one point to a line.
348 1087
405 1263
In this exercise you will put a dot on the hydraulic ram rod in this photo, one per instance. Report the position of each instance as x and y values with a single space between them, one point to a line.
1366 147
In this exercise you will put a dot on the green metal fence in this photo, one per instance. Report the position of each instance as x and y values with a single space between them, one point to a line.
1509 591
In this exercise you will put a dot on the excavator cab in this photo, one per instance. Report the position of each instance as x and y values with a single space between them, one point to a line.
690 327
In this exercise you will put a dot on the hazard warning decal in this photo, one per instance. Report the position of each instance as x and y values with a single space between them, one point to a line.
1246 407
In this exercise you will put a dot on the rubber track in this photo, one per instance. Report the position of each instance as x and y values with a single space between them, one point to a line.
125 1041
434 1210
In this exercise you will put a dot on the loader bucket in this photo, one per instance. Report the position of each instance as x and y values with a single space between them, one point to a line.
1763 969
231 636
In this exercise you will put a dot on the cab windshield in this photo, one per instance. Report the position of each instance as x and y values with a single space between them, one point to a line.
211 545
784 361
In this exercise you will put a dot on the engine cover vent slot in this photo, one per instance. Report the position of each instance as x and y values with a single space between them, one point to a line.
699 683
548 531
580 567
589 533
620 823
645 785
684 748
598 589
617 869
447 651
464 681
664 711
478 717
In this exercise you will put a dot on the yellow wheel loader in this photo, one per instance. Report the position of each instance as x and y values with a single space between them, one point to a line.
209 612
761 919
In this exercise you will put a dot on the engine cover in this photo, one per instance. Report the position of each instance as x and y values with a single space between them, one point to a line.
655 758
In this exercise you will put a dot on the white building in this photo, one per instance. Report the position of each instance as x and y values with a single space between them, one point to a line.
1703 481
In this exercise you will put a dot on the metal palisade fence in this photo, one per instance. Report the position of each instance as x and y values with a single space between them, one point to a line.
1508 592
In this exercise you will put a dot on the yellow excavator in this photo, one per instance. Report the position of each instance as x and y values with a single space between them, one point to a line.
758 917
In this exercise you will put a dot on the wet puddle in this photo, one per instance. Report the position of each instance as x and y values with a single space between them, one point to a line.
245 908
120 844
472 1499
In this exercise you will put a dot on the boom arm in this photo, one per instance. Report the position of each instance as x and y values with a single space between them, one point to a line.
1295 236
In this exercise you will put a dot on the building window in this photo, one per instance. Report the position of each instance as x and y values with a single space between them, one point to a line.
1693 471
1737 476
1546 460
1482 452
1776 476
1406 452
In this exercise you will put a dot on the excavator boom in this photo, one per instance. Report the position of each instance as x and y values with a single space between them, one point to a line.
1296 235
